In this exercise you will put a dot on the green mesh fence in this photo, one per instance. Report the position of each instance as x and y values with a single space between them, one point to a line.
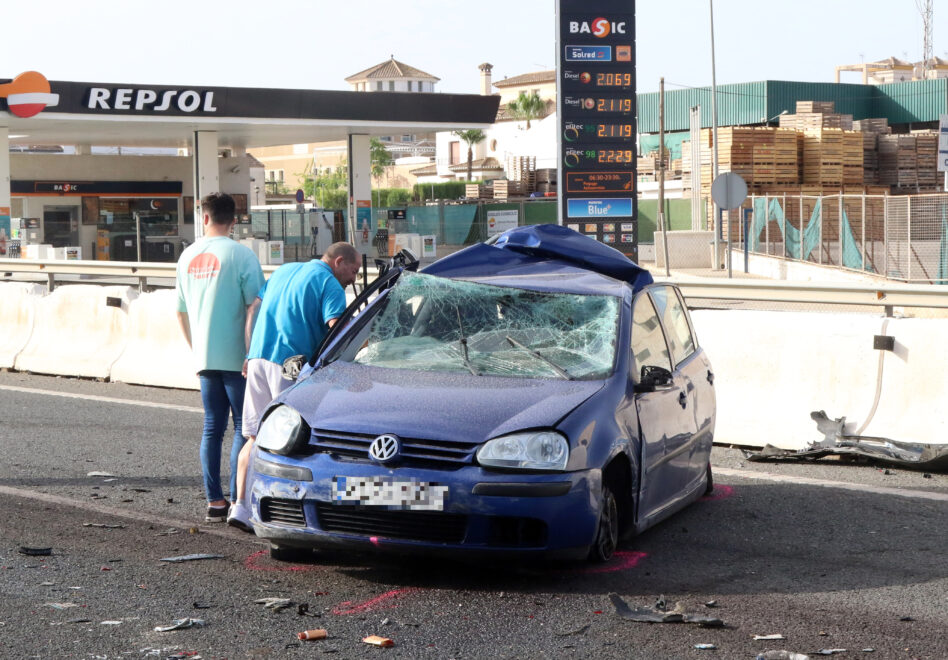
943 249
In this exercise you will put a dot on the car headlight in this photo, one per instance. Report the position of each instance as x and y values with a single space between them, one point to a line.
283 431
531 450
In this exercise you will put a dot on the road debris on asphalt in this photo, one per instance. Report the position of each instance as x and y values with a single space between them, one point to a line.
661 614
769 637
303 610
181 624
916 455
168 532
194 557
782 655
829 651
276 604
112 622
314 634
577 631
705 647
200 606
711 603
375 640
96 473
35 552
104 525
60 606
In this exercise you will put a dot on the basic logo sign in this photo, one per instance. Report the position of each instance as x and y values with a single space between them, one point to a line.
28 94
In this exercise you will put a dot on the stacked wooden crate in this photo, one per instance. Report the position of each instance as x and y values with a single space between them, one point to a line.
522 169
926 159
853 158
823 157
505 189
546 180
898 161
475 191
871 129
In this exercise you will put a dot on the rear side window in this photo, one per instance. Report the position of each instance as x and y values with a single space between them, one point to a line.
648 341
675 319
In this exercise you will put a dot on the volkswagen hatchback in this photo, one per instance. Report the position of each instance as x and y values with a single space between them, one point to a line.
537 395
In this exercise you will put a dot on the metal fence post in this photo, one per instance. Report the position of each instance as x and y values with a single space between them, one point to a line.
441 221
801 226
842 262
767 224
864 231
908 233
885 234
820 218
785 232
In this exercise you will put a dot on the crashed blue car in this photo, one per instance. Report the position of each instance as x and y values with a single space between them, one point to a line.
536 395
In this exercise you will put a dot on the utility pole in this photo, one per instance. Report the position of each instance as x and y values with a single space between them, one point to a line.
661 173
719 214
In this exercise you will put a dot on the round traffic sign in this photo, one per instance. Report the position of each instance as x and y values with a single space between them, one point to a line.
728 190
299 196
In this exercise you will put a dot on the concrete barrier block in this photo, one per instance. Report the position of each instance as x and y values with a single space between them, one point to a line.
79 330
157 353
914 389
17 313
772 369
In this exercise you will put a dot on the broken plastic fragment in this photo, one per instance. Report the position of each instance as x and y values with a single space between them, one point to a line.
830 651
769 637
104 525
711 603
705 647
275 603
656 615
782 655
195 557
375 640
96 473
303 610
61 606
35 552
316 633
110 623
180 624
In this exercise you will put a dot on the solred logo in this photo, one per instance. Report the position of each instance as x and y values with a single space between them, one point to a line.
28 94
601 28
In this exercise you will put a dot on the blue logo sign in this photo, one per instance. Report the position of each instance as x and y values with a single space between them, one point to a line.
618 207
589 53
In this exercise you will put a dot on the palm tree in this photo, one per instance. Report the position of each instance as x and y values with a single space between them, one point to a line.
470 138
527 106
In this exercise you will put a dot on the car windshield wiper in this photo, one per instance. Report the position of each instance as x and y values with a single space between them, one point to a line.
463 341
557 368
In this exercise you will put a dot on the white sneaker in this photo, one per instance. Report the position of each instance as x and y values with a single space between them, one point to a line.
239 517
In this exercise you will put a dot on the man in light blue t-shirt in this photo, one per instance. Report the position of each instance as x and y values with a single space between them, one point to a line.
297 306
217 281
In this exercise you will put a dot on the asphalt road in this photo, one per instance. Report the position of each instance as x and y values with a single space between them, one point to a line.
853 559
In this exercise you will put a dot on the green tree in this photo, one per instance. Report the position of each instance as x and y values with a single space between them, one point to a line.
527 107
470 138
328 188
380 157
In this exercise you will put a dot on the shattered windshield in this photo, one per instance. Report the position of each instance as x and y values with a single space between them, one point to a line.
436 324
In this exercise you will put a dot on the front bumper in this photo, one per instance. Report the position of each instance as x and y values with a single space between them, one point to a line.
485 512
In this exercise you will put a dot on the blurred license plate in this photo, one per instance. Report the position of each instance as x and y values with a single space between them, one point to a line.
391 493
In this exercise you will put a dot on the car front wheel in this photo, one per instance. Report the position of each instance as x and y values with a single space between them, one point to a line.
607 535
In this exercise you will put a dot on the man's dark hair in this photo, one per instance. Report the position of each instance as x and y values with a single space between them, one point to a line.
220 206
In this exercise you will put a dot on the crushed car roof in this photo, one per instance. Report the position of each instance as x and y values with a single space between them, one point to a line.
541 250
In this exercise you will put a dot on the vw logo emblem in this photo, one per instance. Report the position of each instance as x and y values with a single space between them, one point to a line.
384 448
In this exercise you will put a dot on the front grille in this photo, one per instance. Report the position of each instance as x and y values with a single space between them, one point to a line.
429 526
415 451
282 512
509 532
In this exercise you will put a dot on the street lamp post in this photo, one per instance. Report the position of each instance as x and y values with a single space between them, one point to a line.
719 215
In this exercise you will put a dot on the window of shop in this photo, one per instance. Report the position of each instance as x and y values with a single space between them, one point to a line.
135 229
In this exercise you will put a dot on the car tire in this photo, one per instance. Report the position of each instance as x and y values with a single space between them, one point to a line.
709 488
289 553
607 532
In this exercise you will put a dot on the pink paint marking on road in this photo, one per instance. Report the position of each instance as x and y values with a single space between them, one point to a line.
621 561
383 602
251 564
719 493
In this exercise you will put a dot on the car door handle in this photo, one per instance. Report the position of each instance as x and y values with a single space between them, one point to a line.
710 377
683 399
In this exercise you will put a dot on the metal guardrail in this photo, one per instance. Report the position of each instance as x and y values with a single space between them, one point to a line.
886 295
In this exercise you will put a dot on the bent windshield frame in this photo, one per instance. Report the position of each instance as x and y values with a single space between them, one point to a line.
430 323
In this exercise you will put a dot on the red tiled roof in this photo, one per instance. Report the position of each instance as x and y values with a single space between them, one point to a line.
528 79
391 69
489 163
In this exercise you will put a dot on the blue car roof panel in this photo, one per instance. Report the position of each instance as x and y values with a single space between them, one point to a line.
540 248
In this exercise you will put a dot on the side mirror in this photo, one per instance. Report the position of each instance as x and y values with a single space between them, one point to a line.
653 378
292 366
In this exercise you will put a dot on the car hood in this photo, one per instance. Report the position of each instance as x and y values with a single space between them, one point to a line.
418 404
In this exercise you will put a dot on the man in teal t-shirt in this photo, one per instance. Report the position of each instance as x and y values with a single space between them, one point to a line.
217 281
297 306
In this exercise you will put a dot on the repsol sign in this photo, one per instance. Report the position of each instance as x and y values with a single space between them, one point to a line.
173 101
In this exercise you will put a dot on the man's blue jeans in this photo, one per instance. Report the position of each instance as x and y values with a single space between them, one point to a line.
222 392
